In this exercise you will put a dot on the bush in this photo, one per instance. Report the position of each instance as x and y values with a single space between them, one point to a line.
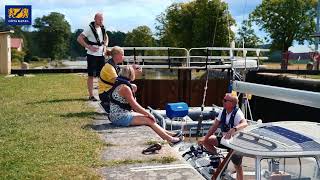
17 55
35 58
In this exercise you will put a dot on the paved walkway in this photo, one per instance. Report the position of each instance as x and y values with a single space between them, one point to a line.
123 157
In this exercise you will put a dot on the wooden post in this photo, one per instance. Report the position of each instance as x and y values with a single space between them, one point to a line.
5 52
184 79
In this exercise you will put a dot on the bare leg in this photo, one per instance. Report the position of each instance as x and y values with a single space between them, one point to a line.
239 172
143 120
210 144
90 85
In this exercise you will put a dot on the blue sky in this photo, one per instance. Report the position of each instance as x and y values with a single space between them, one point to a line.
122 15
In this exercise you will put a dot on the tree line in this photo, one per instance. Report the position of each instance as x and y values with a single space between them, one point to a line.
200 23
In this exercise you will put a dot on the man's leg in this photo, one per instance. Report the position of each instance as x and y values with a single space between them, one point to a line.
237 161
211 143
239 172
90 85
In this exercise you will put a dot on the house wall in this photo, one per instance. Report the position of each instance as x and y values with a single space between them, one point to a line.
5 53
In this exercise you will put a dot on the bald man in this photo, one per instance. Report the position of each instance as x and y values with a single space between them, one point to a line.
95 39
231 119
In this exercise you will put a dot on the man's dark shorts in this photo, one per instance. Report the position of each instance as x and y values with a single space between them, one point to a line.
236 158
94 64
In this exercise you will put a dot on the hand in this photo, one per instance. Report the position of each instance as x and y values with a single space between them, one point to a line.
93 48
137 69
230 133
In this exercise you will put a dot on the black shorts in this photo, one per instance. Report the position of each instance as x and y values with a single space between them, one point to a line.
94 65
105 101
236 159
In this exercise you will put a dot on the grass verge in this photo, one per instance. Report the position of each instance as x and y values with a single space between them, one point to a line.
41 135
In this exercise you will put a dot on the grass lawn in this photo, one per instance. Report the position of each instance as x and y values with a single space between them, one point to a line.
32 64
42 134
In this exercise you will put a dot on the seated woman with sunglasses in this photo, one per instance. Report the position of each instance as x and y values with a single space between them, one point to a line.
230 120
123 102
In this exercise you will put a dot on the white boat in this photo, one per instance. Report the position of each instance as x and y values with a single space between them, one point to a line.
271 151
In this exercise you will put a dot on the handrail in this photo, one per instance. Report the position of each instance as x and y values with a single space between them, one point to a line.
187 60
231 57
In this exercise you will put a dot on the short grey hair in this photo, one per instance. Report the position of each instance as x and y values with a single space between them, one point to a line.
128 72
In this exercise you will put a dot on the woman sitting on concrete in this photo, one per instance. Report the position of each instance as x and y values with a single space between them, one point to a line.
123 102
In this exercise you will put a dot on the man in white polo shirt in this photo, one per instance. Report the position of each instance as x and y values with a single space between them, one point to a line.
95 39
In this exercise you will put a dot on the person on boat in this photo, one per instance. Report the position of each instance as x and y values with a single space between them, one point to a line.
95 39
126 111
109 73
231 119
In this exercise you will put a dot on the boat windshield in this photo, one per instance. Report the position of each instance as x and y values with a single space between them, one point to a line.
303 168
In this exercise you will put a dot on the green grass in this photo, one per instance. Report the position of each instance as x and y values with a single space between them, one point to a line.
32 64
313 76
42 134
162 160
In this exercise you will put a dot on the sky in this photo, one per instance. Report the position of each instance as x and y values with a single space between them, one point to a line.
121 15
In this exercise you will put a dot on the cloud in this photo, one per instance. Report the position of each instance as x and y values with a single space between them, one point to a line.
122 15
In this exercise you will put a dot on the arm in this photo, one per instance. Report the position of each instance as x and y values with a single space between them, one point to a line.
125 92
83 43
106 42
242 124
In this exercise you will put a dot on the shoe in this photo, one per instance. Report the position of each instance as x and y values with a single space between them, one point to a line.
179 141
92 98
152 149
178 134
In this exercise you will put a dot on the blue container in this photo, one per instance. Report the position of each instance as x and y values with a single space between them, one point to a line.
179 109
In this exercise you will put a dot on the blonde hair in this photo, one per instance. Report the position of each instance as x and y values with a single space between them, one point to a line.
128 72
116 50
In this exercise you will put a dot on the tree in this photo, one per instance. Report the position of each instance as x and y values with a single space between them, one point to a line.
139 37
199 23
116 38
286 21
247 35
76 49
53 35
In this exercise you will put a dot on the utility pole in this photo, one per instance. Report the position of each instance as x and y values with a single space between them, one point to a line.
317 36
317 27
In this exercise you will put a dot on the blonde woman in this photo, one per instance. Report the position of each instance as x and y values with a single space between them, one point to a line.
126 111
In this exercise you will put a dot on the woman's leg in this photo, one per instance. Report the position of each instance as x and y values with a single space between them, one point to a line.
143 120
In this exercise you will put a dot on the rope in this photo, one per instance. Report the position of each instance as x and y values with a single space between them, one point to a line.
207 78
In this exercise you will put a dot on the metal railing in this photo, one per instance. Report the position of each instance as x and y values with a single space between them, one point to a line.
195 58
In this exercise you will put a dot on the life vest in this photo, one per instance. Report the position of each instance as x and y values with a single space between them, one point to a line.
120 80
226 127
95 33
117 68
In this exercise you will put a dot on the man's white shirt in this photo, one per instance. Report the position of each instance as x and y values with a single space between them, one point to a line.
89 34
237 118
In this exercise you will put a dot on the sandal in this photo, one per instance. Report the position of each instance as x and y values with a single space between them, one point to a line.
179 141
152 149
178 134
